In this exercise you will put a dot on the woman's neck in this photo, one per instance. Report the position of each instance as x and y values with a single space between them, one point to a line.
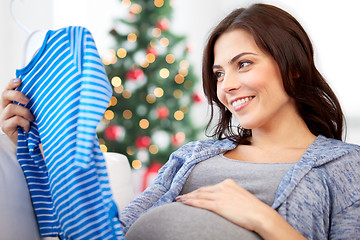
290 132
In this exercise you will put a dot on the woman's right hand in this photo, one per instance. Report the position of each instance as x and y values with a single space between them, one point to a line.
13 115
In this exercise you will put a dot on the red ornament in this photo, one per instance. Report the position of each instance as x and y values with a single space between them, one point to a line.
178 138
113 132
150 174
163 24
189 48
142 142
152 50
197 97
135 74
162 112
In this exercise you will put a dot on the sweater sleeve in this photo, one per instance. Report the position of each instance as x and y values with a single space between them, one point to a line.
345 225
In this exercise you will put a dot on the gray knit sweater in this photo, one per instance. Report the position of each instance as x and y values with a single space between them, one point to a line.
319 196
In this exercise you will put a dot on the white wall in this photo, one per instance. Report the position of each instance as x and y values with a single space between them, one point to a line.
331 24
35 14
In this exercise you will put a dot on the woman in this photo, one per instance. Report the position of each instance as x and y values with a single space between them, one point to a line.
258 67
283 173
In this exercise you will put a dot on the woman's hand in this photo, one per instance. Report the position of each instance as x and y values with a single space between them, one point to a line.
239 206
13 115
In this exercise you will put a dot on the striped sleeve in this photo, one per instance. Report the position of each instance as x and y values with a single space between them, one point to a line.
94 95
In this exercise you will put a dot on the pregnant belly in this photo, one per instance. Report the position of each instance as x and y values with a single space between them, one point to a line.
178 221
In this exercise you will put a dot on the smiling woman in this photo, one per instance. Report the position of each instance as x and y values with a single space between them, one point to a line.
250 84
283 173
276 174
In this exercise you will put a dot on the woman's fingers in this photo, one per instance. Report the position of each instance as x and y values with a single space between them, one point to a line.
211 191
13 115
9 127
12 110
9 95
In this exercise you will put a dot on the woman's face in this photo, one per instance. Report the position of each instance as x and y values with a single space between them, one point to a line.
249 82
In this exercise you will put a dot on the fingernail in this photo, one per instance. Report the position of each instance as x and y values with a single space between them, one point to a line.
180 199
16 80
25 99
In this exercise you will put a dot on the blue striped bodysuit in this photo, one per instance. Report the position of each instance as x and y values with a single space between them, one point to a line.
69 92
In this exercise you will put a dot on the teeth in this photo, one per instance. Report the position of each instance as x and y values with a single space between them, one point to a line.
241 101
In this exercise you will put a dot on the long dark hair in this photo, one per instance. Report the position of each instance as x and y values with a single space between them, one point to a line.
280 35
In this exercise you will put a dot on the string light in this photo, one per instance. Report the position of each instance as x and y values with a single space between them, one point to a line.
144 123
109 115
132 37
136 164
150 98
145 64
116 81
127 114
103 148
164 42
170 58
121 52
156 32
179 115
150 57
183 72
119 89
130 151
135 8
178 93
184 64
113 101
179 79
152 43
126 3
164 73
180 136
153 149
126 94
110 57
158 92
158 3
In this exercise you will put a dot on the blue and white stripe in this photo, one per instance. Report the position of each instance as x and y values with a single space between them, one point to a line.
69 92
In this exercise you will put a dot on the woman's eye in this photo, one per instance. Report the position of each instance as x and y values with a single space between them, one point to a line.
219 75
244 64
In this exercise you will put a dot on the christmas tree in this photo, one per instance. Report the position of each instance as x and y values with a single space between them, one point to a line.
149 114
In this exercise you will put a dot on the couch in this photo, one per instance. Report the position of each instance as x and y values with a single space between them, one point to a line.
17 219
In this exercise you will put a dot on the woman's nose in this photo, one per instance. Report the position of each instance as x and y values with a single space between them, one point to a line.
230 83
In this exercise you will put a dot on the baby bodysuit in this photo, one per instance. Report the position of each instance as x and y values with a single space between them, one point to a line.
69 92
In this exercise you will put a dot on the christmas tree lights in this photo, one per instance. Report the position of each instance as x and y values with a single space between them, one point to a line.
148 116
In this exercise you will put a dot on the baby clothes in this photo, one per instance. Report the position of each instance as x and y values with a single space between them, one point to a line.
69 92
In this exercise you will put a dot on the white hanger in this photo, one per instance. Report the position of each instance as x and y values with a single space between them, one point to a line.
33 41
27 30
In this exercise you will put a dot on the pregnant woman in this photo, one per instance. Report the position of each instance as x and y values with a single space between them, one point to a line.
276 169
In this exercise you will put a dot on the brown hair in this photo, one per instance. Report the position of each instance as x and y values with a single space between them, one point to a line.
280 35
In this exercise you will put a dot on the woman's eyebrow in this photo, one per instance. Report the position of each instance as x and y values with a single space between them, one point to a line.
239 56
234 59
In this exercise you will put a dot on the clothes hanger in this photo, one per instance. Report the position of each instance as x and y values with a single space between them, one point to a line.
34 38
27 30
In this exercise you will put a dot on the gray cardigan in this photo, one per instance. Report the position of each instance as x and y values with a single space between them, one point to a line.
319 196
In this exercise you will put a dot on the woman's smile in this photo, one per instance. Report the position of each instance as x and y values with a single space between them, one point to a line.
241 102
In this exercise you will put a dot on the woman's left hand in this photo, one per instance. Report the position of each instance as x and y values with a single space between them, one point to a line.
230 201
240 207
